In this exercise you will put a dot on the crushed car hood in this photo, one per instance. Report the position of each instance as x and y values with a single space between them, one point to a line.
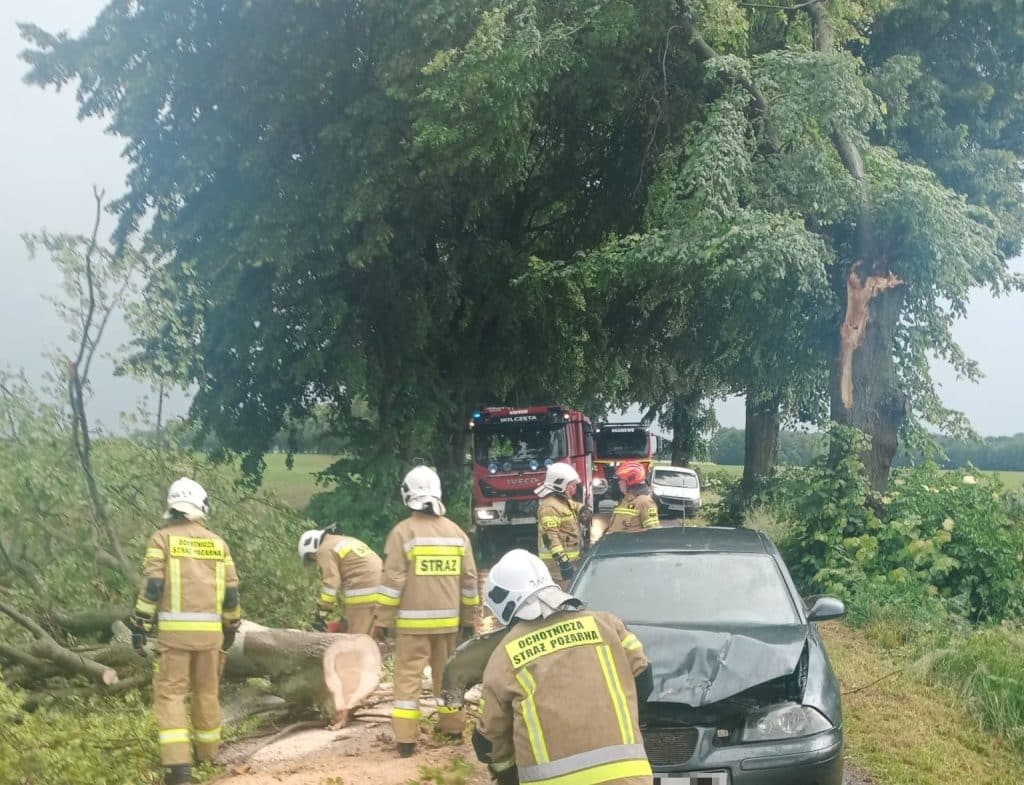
700 667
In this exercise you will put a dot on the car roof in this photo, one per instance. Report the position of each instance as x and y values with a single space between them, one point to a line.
681 539
682 469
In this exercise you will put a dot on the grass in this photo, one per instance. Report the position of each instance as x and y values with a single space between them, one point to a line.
904 730
297 485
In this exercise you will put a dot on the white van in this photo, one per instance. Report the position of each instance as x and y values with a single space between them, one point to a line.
676 490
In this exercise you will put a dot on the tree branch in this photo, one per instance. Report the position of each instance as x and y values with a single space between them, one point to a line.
796 7
29 624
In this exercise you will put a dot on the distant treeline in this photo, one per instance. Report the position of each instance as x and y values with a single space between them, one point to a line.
798 448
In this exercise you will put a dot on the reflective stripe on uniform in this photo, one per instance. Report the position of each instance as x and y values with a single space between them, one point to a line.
233 614
175 736
220 586
631 642
328 595
189 622
470 597
388 596
211 736
145 608
361 596
155 553
418 542
618 696
573 555
530 718
592 766
625 511
421 620
406 710
448 709
175 585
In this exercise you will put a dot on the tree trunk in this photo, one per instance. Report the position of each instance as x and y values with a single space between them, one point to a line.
761 443
865 390
685 427
332 671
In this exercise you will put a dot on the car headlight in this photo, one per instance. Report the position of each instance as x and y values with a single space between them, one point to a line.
485 514
788 721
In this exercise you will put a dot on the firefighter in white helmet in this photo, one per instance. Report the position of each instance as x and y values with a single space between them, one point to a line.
349 577
563 524
190 596
428 592
560 692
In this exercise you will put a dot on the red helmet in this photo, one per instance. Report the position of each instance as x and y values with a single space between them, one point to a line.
631 473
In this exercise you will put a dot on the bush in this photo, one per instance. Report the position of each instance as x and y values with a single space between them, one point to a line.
950 533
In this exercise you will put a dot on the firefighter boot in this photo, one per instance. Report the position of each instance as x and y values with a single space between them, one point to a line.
178 775
406 749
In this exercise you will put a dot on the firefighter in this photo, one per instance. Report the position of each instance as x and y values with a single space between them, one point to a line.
637 511
190 596
347 567
559 700
428 592
563 524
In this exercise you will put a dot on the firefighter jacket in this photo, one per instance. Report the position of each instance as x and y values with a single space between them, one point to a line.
559 701
635 513
429 582
349 570
190 585
558 528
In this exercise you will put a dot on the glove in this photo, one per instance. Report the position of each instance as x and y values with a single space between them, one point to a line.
566 569
319 623
586 516
506 777
139 626
230 631
139 641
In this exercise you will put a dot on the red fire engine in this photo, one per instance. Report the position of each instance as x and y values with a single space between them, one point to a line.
616 443
512 448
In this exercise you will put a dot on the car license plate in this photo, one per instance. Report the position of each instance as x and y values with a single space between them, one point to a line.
693 778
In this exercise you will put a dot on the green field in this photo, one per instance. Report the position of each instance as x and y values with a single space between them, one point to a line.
297 485
294 486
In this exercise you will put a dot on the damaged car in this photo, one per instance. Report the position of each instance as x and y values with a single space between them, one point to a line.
743 690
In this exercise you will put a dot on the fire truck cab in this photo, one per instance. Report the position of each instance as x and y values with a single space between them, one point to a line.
616 443
512 448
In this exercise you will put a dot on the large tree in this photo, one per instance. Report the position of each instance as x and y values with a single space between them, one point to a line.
426 207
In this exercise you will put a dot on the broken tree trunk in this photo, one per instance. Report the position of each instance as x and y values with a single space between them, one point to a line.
332 671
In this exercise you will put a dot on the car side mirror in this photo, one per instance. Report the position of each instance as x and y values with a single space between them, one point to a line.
826 609
599 486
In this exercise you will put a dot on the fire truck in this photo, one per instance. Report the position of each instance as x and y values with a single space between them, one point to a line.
617 443
512 448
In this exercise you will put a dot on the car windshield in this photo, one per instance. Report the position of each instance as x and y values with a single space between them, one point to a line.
622 443
515 446
674 479
688 589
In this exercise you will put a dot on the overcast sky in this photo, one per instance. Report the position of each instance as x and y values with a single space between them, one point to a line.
50 162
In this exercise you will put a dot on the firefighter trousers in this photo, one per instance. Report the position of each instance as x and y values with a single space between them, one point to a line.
181 674
359 619
412 654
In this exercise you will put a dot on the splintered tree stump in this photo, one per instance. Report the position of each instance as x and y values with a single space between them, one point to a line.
332 671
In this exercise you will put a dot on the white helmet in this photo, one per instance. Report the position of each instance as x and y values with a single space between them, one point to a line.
519 586
559 477
421 489
309 543
187 497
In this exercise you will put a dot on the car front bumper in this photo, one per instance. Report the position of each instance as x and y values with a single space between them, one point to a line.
812 760
671 504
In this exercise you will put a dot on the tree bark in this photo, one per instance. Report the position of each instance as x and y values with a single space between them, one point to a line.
878 407
685 427
761 442
865 388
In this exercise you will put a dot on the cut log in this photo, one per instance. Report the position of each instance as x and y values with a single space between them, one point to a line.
48 649
332 671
